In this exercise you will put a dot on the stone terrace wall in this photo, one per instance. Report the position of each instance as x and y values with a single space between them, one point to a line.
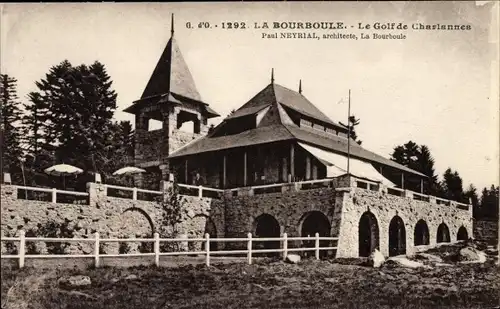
110 216
385 206
288 208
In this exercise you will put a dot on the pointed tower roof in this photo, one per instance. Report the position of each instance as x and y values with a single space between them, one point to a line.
171 73
171 79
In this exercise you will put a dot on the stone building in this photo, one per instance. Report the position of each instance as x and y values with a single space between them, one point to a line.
283 167
277 136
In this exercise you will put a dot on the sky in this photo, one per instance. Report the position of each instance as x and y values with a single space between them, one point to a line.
436 88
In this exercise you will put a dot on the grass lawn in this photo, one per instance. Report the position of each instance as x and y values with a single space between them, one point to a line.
268 284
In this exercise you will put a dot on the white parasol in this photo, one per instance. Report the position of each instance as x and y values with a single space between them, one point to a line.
128 170
63 170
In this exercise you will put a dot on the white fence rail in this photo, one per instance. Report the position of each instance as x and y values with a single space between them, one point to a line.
53 191
134 191
284 241
201 191
373 186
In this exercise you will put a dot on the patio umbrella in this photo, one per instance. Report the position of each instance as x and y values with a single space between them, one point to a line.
128 170
63 170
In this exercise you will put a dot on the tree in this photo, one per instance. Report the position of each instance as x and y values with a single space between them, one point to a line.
471 196
171 206
418 158
353 122
489 203
71 114
120 151
211 128
9 120
452 185
37 129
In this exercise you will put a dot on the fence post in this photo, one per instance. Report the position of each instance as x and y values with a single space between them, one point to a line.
285 246
249 248
157 249
96 249
134 194
316 245
54 195
22 248
200 191
207 249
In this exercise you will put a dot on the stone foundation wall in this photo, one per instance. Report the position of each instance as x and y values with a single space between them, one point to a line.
288 208
235 216
384 207
110 216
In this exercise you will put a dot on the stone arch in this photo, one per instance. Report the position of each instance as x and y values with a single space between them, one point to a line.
443 233
368 234
397 236
421 234
133 222
266 226
462 233
136 222
314 222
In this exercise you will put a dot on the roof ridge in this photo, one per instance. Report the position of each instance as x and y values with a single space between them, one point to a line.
275 104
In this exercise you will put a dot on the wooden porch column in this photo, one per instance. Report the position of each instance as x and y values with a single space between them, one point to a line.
402 180
292 161
186 172
308 168
224 171
421 186
245 175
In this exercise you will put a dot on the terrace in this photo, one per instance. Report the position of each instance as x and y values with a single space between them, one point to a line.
82 198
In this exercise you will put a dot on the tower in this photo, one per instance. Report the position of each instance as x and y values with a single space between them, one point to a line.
170 97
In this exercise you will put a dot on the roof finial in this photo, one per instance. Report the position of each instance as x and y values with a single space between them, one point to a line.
300 86
272 76
172 25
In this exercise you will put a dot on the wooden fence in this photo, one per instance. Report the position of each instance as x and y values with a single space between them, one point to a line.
156 240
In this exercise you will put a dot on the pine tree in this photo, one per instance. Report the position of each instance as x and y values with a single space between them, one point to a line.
418 158
471 196
71 114
9 127
489 203
353 122
452 184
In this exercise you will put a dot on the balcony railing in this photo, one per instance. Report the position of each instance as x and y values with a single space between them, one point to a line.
74 197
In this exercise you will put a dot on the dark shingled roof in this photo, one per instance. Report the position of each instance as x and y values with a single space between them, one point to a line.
171 82
339 144
260 135
247 111
299 103
274 94
276 130
275 133
171 74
